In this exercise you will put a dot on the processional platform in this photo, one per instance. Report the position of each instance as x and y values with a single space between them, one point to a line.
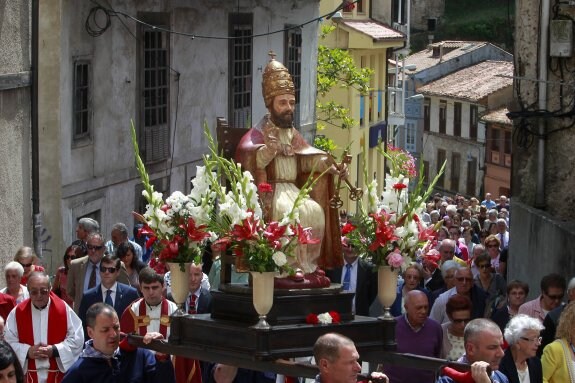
228 329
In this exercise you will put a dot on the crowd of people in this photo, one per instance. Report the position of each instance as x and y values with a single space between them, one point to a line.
454 303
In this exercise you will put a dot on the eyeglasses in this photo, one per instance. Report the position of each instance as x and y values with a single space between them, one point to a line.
43 292
555 297
532 340
484 266
112 270
464 279
26 264
463 320
492 246
92 247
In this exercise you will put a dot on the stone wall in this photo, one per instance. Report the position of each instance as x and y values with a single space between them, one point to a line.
15 171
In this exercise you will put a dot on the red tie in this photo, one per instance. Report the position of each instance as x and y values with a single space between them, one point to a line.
192 304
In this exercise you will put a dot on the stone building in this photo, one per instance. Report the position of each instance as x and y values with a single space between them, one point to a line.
179 65
543 180
452 130
15 128
497 166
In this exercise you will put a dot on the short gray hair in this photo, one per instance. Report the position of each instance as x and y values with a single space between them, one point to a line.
571 284
122 228
14 266
89 224
517 326
477 326
449 265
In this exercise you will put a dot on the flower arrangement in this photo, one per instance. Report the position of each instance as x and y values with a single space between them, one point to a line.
176 227
262 246
390 232
323 318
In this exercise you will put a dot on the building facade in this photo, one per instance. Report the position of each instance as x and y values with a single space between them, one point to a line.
169 67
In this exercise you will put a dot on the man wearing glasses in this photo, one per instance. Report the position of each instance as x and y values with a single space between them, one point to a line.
463 286
110 291
552 291
44 332
84 272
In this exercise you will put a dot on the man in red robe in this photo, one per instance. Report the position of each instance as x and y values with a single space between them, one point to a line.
44 332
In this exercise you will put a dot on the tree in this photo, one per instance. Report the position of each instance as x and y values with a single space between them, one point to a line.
336 68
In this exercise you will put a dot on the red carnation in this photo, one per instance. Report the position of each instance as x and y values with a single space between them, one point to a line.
311 319
335 318
399 186
347 228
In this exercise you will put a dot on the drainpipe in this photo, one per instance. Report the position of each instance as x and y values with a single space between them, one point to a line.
542 104
37 220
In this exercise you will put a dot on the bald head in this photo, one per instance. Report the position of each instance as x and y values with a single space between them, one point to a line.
416 307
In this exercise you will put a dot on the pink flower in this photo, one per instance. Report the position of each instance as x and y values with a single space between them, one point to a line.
394 259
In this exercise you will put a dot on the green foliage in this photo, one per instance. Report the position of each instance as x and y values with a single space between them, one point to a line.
336 68
325 144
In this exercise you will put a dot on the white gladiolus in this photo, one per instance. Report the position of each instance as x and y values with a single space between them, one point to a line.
279 258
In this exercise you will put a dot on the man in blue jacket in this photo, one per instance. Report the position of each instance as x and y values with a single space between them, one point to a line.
110 291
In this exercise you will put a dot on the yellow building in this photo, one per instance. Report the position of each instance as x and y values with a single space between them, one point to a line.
370 44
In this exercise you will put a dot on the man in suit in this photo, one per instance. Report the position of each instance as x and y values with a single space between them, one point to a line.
199 301
84 274
110 291
356 276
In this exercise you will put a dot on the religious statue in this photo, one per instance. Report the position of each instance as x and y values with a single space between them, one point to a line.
276 153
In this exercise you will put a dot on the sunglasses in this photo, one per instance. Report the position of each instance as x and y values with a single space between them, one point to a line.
464 279
26 264
92 247
555 297
463 320
111 270
484 266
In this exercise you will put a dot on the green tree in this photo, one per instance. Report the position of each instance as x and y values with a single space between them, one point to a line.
336 68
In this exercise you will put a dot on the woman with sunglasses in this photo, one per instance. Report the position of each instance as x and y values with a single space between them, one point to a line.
498 263
558 358
520 363
26 257
493 284
61 277
458 310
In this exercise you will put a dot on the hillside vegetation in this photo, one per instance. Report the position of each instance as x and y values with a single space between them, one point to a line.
487 20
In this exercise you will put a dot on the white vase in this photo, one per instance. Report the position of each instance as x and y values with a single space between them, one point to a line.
386 289
179 284
263 295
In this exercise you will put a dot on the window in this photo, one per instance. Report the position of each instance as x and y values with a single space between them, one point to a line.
426 114
360 6
442 115
441 156
240 70
410 134
399 11
473 121
507 143
82 99
457 119
293 63
471 176
495 140
431 25
153 77
455 171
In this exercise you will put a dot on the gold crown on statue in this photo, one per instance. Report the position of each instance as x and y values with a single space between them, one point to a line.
276 80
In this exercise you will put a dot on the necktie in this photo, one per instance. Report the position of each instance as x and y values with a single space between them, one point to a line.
92 282
347 277
108 299
192 304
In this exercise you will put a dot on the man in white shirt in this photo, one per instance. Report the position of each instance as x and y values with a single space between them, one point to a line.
44 332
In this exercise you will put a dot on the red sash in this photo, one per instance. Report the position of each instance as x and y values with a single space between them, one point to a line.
164 316
57 329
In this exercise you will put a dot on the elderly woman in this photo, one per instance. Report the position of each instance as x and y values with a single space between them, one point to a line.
558 360
458 310
13 273
520 363
490 282
517 292
492 244
412 277
26 257
448 269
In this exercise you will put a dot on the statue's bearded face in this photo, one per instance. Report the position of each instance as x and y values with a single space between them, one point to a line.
281 110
